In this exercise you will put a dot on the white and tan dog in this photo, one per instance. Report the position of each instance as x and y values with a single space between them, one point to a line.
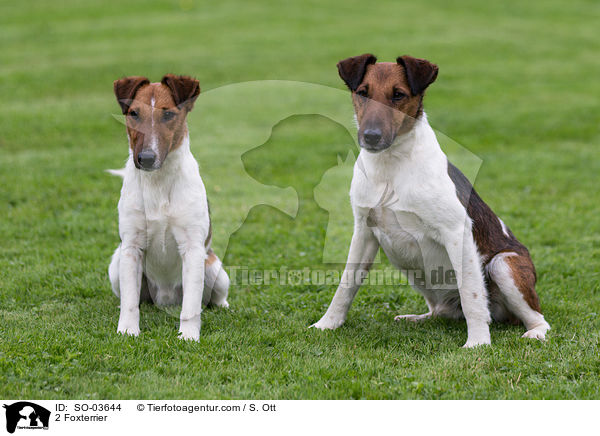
423 212
164 222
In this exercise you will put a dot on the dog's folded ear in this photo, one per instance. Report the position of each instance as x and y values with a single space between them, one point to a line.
352 70
126 88
420 73
184 89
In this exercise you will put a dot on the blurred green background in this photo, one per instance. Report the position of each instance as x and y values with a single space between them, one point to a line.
518 88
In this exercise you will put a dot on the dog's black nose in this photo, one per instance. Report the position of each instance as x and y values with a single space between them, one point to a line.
372 136
146 159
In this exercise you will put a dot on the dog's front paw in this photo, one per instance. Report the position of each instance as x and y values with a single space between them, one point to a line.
189 336
131 329
189 330
328 323
472 343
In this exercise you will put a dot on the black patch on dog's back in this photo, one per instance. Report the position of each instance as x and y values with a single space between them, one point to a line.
487 230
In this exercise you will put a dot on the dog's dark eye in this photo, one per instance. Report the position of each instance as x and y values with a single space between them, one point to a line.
362 92
168 115
398 95
134 114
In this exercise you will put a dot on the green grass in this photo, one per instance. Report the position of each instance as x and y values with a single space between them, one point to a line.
517 87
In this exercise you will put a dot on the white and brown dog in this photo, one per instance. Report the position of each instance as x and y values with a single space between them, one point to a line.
424 213
164 222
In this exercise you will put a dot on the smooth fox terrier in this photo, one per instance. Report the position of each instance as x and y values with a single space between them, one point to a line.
164 223
408 199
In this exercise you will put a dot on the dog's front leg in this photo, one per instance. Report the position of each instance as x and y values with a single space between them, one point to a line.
193 287
465 260
363 250
130 282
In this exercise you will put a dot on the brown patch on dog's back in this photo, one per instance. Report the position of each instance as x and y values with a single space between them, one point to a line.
487 230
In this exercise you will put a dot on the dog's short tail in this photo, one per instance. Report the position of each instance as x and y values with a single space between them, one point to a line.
118 173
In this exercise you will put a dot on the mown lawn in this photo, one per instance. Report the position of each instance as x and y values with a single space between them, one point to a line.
518 88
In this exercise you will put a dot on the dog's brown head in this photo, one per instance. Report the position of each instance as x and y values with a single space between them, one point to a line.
387 96
155 115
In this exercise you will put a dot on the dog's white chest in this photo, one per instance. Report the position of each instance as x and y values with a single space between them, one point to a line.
401 235
390 202
162 257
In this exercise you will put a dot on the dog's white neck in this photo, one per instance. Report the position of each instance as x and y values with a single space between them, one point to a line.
410 149
174 183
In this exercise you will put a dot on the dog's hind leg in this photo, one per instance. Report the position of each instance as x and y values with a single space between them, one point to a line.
421 317
441 303
216 282
514 275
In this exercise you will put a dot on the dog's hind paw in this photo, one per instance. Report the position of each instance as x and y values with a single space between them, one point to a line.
224 304
539 334
534 334
538 331
413 318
